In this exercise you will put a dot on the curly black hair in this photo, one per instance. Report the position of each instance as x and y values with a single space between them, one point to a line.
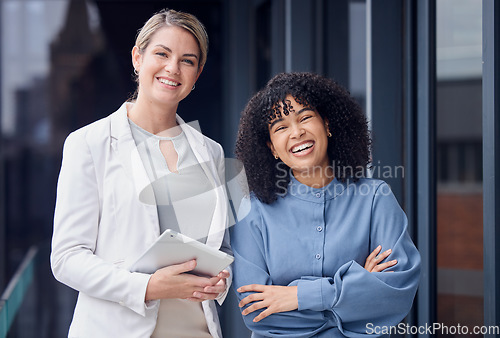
348 149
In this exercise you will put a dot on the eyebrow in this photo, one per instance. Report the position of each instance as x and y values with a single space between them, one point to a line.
304 109
170 51
274 122
281 119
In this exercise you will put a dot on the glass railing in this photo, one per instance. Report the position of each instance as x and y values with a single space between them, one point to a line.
13 295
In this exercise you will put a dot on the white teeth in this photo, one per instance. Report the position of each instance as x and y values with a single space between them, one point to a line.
168 82
301 147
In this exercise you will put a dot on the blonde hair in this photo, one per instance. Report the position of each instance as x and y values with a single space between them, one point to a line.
169 17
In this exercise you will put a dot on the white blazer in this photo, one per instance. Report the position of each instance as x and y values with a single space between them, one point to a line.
101 225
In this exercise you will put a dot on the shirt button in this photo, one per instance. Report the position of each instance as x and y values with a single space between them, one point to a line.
318 194
319 228
318 256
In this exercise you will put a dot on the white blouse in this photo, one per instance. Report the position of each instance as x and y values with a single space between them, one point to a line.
185 202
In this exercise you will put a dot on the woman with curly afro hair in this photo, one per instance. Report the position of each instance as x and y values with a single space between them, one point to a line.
308 255
349 150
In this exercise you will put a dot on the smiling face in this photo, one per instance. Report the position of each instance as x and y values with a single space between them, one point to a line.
168 67
300 139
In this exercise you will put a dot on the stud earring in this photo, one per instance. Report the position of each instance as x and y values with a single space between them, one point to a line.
276 156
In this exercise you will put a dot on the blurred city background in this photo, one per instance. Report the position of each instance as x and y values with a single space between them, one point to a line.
415 67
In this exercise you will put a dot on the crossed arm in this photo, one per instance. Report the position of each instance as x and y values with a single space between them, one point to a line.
277 298
346 299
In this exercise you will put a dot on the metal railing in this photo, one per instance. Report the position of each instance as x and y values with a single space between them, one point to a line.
13 295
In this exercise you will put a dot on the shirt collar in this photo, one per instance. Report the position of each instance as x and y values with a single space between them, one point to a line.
319 195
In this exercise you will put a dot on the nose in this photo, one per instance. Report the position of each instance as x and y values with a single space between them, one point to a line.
171 66
296 131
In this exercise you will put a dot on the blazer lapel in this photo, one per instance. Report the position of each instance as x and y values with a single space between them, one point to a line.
125 149
198 145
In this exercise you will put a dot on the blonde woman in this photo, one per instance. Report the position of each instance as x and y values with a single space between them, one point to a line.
126 178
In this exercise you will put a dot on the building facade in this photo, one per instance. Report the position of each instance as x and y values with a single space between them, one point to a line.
425 71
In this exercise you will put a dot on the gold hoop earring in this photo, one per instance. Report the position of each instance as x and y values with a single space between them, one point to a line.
328 133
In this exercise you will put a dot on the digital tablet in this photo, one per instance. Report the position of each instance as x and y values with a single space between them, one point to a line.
174 248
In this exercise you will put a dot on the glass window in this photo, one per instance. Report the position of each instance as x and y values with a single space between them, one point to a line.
459 159
64 64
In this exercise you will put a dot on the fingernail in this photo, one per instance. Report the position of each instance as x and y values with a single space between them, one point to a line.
389 250
239 290
395 261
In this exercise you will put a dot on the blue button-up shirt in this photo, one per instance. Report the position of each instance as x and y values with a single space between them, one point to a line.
318 240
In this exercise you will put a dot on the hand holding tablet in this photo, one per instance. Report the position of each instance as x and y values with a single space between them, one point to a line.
175 248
